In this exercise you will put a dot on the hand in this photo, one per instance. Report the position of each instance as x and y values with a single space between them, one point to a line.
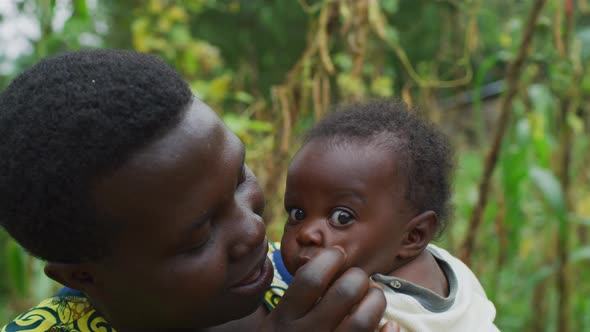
320 299
390 326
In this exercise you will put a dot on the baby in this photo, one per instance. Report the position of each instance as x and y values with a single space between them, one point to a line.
375 180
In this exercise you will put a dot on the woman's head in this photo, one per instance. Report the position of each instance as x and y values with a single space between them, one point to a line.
66 122
134 192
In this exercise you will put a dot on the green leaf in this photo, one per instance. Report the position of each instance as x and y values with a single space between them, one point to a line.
390 6
244 97
583 221
17 267
551 190
580 254
585 84
541 98
80 8
189 64
562 76
180 35
575 123
260 126
235 123
392 34
541 274
219 87
242 124
382 86
350 85
343 61
484 68
523 132
514 165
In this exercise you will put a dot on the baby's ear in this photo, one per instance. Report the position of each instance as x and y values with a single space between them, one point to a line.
419 232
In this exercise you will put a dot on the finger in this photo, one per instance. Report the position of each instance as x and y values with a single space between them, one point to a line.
367 315
340 300
376 285
310 283
390 326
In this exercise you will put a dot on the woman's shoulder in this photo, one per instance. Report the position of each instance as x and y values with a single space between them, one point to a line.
67 311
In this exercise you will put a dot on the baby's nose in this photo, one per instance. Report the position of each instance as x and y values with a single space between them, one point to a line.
310 234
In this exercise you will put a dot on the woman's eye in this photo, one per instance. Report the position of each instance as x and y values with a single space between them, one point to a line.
199 238
198 246
296 214
341 218
195 249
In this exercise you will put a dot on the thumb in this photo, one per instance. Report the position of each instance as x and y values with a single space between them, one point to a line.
390 326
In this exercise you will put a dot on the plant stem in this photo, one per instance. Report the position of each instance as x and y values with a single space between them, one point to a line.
505 109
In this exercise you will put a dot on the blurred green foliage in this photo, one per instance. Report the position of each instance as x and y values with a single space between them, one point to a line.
270 68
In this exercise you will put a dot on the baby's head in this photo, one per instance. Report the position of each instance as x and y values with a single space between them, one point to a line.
372 178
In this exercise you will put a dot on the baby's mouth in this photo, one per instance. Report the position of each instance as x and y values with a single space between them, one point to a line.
302 260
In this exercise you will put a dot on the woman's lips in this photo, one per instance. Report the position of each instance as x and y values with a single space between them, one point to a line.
250 278
256 282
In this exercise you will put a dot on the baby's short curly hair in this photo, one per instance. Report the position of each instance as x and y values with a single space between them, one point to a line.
427 153
64 123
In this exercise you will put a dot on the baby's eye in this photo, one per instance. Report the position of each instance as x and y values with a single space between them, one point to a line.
296 214
341 218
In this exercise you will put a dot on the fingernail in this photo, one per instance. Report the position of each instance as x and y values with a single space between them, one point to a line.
341 250
391 326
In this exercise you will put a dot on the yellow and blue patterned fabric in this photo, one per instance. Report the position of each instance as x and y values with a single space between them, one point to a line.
281 279
70 311
67 311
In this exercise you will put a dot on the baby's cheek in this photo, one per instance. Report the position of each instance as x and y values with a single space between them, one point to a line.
289 252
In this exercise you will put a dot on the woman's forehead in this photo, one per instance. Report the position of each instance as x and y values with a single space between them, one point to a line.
161 178
199 129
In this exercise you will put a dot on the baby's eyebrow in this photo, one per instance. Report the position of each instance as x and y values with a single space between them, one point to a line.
350 193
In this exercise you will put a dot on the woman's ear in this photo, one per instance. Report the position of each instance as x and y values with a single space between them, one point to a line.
419 232
79 276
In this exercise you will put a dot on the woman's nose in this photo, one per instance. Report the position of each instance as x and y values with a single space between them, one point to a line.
248 235
258 203
249 230
255 194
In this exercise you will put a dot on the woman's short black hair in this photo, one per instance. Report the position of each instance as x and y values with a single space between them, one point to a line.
64 123
429 158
